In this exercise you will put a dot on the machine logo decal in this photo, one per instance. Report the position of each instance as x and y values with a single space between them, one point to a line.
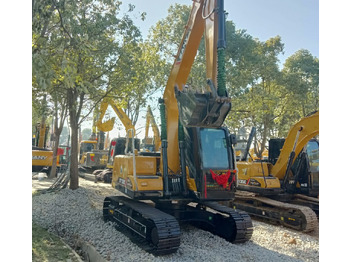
242 181
39 157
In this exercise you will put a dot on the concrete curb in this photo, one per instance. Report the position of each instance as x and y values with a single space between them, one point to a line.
71 249
90 253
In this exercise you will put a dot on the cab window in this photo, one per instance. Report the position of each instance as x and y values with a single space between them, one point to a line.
214 149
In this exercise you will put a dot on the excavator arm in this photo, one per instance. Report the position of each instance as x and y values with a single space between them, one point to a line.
120 113
297 138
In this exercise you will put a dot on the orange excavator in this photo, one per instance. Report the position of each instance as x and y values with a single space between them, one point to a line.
196 168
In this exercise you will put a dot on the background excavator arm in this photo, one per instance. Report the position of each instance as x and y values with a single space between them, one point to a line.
297 138
156 134
120 113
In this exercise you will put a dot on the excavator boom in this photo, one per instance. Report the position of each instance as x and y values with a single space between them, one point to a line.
107 125
207 109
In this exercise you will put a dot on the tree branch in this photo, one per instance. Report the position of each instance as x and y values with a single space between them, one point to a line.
61 22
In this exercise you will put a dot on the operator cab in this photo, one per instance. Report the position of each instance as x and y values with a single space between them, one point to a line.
117 147
87 146
208 156
306 167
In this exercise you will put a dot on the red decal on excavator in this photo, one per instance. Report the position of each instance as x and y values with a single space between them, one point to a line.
222 179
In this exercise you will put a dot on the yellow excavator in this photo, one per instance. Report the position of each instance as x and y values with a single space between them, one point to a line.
92 152
196 168
86 146
117 145
283 189
41 156
151 144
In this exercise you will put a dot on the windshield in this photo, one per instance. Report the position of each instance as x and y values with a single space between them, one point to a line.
312 150
87 147
214 148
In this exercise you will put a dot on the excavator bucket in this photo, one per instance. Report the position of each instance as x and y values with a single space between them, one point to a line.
105 126
202 109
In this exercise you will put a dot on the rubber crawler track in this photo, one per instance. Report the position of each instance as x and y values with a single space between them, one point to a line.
154 230
298 217
243 222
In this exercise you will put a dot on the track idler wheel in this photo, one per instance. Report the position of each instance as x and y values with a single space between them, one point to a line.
154 236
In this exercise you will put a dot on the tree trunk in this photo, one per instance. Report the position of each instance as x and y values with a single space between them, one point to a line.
54 159
264 136
74 175
73 117
57 134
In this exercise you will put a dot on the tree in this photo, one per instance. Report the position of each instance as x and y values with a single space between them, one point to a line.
60 114
301 78
254 83
262 95
64 137
77 46
166 37
86 133
141 82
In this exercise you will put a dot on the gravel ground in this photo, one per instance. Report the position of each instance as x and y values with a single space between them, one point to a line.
77 215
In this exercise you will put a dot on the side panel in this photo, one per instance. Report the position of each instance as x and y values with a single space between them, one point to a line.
247 170
42 158
146 178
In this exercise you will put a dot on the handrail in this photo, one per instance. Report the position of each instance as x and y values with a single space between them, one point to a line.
133 152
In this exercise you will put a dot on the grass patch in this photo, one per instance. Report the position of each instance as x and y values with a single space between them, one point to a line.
35 192
48 247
